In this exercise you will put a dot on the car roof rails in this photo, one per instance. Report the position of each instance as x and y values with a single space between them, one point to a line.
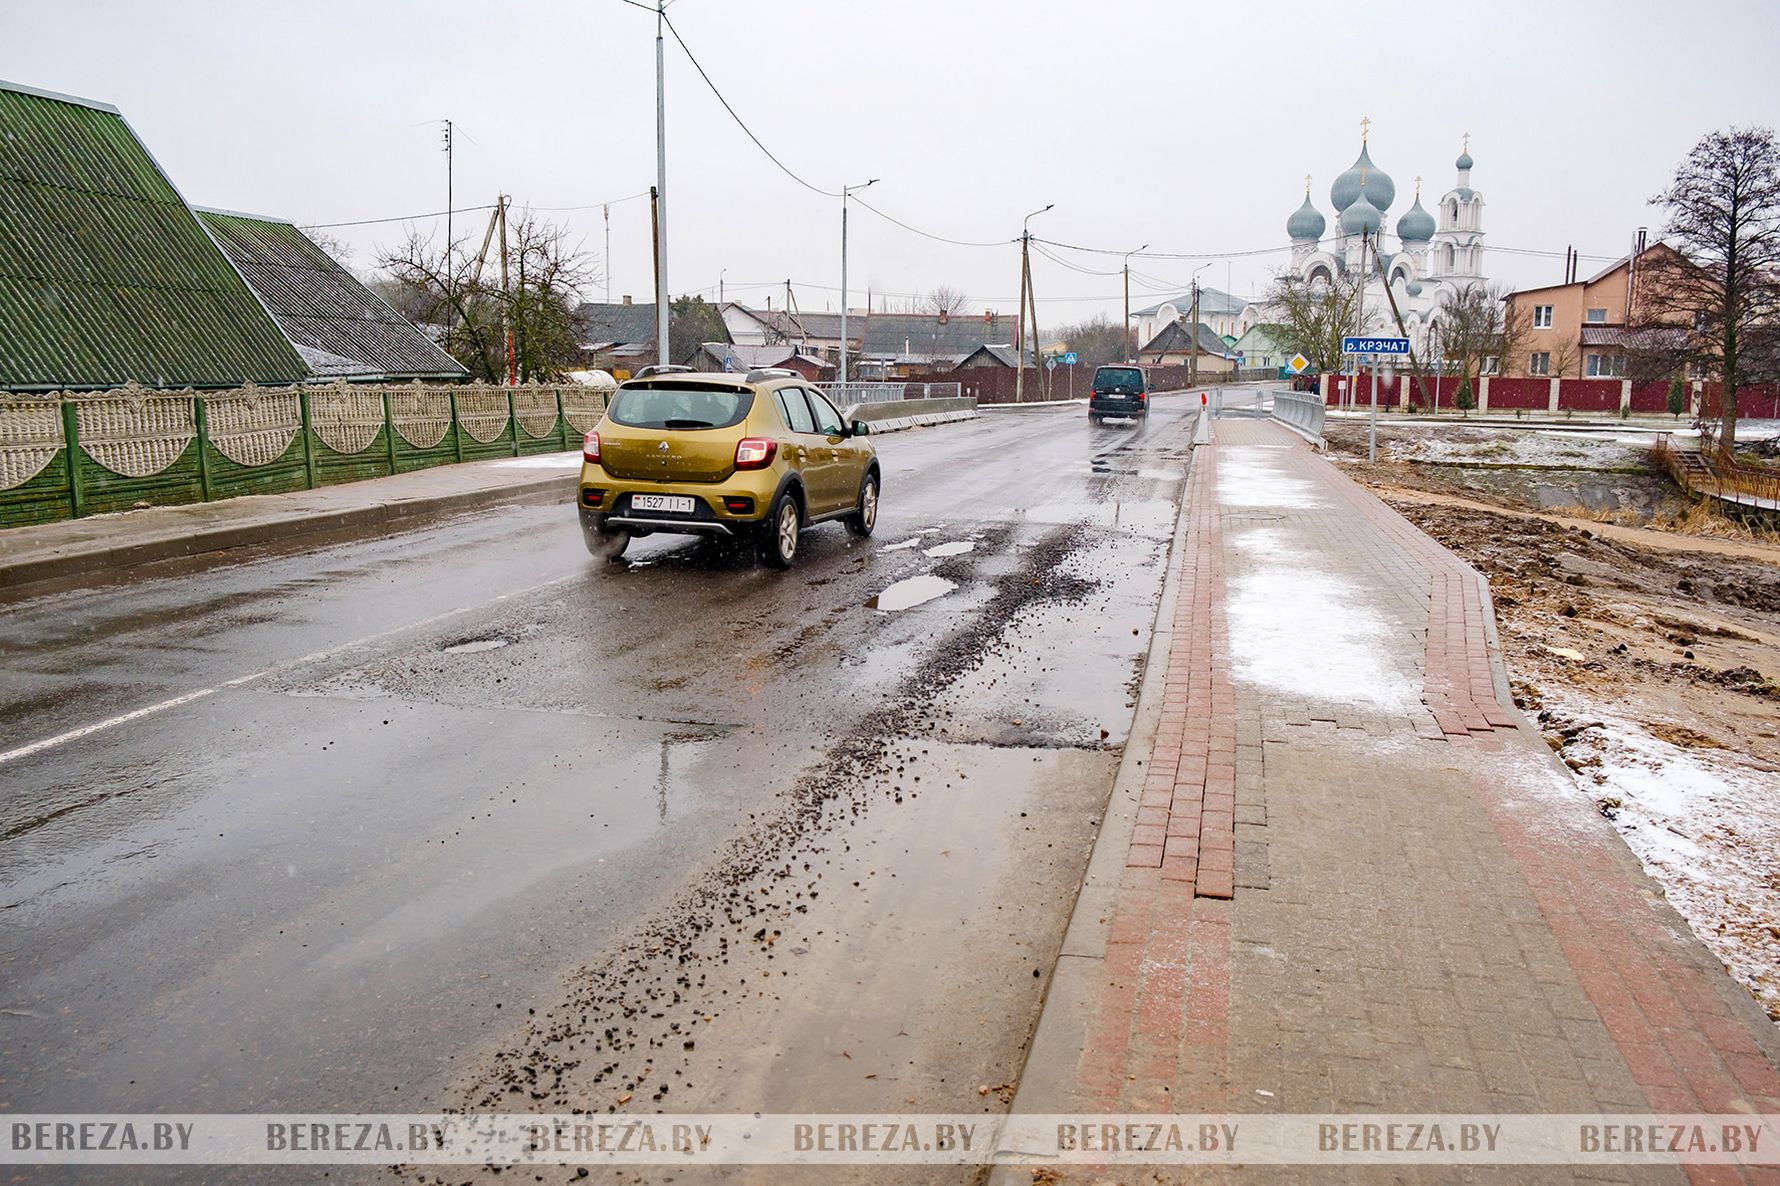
761 374
663 369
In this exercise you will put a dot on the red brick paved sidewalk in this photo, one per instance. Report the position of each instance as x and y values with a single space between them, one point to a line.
1351 880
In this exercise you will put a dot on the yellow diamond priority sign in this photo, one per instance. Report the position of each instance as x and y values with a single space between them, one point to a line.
1299 364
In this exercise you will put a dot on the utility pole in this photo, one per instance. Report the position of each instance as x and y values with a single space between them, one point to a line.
450 285
1025 291
507 298
608 212
1125 354
1193 332
845 190
661 186
655 252
1360 331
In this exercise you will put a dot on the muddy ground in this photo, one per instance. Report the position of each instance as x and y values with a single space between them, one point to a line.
1650 666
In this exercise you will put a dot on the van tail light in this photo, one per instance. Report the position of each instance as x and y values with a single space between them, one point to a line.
590 447
755 452
1140 397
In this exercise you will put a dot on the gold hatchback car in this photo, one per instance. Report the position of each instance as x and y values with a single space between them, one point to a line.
756 457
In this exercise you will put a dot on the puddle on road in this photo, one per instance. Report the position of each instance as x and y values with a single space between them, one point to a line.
907 543
911 592
955 548
474 645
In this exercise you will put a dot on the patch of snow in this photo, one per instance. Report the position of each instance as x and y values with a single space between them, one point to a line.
1249 476
1306 631
541 461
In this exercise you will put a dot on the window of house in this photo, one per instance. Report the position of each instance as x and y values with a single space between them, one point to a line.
1489 365
1541 316
1596 316
1699 322
1539 363
1699 370
1606 366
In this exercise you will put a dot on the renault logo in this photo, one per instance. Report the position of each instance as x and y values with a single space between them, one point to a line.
662 447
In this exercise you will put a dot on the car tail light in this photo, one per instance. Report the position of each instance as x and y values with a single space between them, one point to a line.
1140 397
590 447
755 452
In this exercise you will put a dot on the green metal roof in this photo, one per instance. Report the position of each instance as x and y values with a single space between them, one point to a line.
105 274
341 328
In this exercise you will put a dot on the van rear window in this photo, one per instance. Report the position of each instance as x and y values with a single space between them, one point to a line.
1110 379
680 406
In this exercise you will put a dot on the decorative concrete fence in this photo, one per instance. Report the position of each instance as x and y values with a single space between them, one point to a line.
71 454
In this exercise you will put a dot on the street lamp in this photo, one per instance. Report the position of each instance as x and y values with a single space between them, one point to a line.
1125 354
845 190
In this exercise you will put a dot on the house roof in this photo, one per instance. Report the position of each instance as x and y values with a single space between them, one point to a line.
1263 336
1213 302
748 357
339 327
609 325
886 334
106 275
1002 353
1173 338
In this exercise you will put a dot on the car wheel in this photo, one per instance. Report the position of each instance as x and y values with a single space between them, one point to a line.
864 520
604 543
778 539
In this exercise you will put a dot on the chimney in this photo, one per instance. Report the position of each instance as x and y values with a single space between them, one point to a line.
1643 234
627 298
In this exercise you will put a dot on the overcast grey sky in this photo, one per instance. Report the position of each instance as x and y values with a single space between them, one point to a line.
1185 125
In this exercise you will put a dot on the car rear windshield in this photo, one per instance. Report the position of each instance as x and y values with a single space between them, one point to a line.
1118 379
680 406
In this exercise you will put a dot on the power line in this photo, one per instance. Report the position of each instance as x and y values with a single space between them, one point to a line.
399 218
930 235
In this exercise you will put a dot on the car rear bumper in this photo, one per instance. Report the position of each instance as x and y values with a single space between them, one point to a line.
1117 406
732 507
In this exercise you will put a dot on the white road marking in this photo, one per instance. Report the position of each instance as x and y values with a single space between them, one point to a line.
37 747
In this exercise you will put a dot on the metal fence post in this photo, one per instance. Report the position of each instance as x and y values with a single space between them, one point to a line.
202 419
77 493
307 415
562 421
389 434
457 430
513 419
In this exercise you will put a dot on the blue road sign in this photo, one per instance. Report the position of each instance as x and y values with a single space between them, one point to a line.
1375 345
1069 358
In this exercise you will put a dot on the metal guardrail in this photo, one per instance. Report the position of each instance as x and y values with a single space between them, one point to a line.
1303 412
843 394
1718 472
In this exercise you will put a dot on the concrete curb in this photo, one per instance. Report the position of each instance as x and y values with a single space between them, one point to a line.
82 561
1047 1079
923 420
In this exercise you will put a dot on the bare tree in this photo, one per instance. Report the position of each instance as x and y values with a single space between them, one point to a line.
546 275
1314 315
332 244
1715 301
1477 328
1096 342
943 299
1564 359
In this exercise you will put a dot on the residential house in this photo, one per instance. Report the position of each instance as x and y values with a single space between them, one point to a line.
341 329
106 275
1263 346
999 356
1218 309
879 345
737 356
1174 345
622 335
1583 328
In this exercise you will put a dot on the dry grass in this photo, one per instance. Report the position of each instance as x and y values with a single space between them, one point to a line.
1702 518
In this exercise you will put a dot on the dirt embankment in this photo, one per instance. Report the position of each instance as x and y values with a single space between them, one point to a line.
1654 671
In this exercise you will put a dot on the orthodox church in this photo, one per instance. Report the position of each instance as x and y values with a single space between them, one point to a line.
1430 254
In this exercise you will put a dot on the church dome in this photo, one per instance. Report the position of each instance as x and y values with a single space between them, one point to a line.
1416 225
1413 288
1379 189
1306 222
1464 161
1361 215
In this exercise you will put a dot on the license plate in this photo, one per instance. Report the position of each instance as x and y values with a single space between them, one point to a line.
679 504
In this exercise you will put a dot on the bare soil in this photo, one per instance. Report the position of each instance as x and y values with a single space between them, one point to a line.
1651 662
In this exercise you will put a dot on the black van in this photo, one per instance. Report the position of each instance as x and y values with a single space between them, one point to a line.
1119 391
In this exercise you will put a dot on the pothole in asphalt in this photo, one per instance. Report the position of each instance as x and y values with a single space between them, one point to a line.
955 548
897 547
911 592
472 645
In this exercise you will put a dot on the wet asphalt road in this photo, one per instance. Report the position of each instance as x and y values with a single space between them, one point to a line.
459 818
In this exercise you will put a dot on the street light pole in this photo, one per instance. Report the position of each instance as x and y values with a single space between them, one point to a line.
1020 321
1125 354
1193 332
661 190
845 190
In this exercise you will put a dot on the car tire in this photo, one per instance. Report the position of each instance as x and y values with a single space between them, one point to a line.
603 543
864 521
778 534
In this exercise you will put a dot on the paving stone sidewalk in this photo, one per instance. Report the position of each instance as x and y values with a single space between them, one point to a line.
1353 879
